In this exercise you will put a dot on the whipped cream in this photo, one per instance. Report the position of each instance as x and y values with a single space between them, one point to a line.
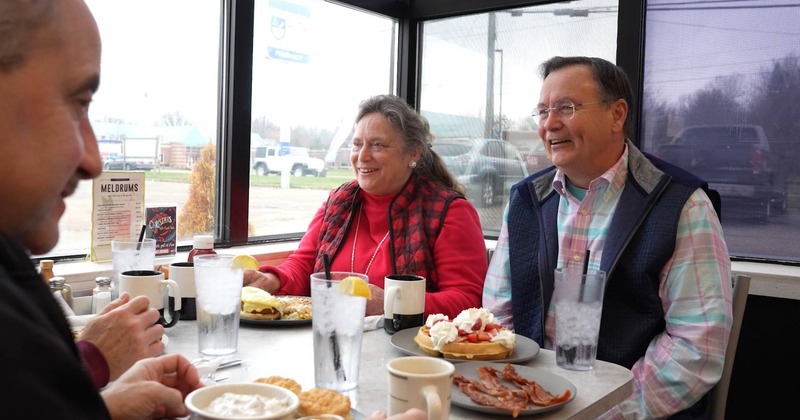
466 320
433 318
506 339
442 333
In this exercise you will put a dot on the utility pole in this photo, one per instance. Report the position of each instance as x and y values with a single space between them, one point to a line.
492 34
500 98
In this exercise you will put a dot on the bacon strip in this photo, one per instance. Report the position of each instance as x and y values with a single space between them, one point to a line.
490 391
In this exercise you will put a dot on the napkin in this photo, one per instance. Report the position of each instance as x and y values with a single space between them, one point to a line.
373 322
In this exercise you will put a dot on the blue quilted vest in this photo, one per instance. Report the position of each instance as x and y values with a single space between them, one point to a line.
640 241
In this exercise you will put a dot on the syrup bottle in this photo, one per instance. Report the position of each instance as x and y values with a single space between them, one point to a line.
201 244
46 270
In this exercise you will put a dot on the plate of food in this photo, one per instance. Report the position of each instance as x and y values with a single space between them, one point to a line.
535 390
259 307
316 402
472 335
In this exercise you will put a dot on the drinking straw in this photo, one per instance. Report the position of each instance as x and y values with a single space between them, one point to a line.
586 264
326 260
583 276
141 236
337 357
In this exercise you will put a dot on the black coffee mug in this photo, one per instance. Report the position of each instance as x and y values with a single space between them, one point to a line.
183 274
403 302
151 283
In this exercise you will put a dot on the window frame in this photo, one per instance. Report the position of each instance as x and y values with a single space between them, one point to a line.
235 90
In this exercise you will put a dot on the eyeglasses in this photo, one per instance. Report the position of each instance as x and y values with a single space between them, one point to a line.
564 109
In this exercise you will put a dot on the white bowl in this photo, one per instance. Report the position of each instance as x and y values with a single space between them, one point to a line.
199 399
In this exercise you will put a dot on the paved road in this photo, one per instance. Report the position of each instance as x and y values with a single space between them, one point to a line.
275 211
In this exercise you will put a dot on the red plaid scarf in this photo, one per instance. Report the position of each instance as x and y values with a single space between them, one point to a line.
416 215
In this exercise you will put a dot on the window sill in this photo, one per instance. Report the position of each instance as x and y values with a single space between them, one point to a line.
771 280
81 274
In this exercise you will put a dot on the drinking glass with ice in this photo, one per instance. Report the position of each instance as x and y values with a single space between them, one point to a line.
338 304
218 283
578 298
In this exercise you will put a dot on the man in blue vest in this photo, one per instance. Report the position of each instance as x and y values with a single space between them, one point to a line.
649 225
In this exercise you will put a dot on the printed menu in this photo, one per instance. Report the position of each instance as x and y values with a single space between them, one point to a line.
117 210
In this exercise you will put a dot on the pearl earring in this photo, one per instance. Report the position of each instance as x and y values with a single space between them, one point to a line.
412 165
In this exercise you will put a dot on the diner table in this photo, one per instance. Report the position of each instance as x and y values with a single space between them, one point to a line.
274 349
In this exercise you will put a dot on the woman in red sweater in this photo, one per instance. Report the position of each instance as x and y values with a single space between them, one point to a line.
403 214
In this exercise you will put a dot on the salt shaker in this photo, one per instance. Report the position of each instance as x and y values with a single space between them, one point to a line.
59 284
101 294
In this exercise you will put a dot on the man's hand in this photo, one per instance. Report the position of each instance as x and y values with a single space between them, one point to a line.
410 414
125 331
152 388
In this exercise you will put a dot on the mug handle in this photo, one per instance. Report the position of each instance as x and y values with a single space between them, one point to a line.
388 301
175 313
176 292
433 401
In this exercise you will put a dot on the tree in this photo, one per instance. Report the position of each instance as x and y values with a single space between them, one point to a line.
777 101
197 215
265 128
174 119
716 104
657 124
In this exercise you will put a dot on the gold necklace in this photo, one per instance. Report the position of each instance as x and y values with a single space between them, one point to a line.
355 241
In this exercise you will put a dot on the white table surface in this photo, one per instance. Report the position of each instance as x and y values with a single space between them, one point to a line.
288 351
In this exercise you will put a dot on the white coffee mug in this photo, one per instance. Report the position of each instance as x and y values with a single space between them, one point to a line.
420 382
183 274
151 283
403 302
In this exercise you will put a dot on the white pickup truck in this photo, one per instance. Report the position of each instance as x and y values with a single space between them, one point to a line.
274 160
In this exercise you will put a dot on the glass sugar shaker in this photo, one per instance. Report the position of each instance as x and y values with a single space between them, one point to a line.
59 284
101 294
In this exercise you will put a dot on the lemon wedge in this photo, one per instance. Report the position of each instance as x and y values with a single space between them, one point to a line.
245 262
355 286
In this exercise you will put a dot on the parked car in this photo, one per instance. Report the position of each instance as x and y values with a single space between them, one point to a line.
274 159
736 161
535 156
117 163
486 167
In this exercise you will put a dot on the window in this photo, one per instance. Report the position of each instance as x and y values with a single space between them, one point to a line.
480 79
723 67
313 62
157 103
721 99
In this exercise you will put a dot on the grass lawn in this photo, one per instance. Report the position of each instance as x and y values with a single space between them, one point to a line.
333 179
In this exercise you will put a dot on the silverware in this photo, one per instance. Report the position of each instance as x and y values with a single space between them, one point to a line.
229 363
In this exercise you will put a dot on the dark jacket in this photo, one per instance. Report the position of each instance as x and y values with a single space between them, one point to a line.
42 371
